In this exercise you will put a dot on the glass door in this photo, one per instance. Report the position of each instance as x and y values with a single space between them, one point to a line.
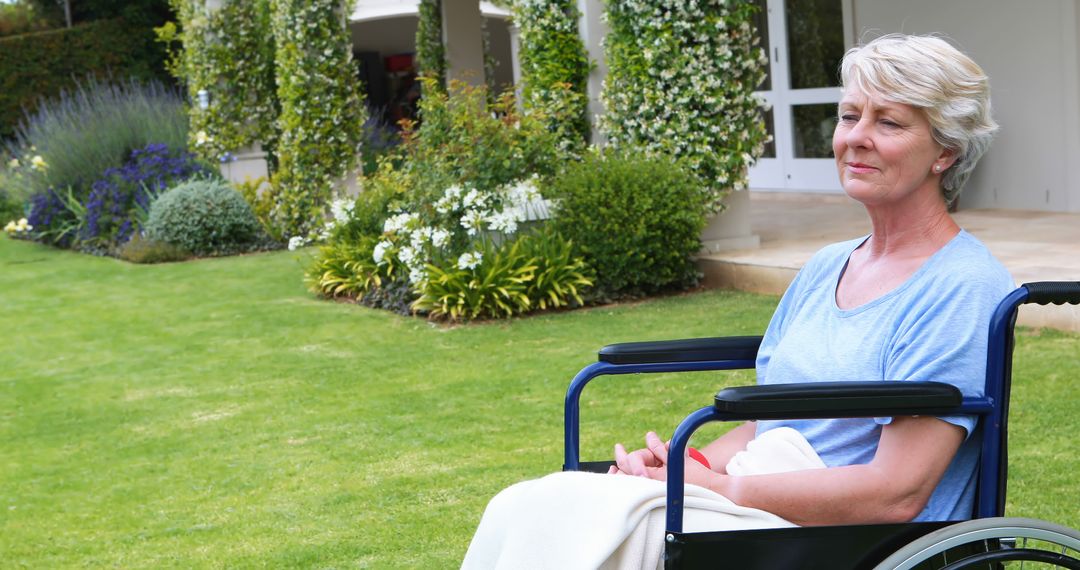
806 40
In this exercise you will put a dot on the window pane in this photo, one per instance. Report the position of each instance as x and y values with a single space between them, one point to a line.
814 126
761 26
815 30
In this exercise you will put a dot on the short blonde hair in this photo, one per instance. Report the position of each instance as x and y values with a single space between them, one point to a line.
928 73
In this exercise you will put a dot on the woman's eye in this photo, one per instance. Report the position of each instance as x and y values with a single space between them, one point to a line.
849 118
890 124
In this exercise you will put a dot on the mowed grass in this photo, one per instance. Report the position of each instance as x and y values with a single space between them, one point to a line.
215 414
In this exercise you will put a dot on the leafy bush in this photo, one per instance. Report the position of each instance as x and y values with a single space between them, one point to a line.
142 250
346 269
636 220
535 271
204 216
490 283
45 64
19 19
71 141
463 140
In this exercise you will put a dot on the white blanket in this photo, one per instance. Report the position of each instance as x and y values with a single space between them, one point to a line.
585 520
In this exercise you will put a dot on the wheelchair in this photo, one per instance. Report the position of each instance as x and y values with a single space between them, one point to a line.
987 541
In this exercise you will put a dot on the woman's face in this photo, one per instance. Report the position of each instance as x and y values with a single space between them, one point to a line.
884 150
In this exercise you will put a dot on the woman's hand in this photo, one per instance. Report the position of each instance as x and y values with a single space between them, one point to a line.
651 462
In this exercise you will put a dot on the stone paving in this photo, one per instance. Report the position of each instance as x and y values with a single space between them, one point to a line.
1034 246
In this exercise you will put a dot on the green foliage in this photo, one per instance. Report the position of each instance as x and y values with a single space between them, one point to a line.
204 216
41 66
259 196
681 83
559 275
346 269
462 140
636 220
322 112
89 130
142 250
430 52
535 271
229 53
496 287
20 18
554 66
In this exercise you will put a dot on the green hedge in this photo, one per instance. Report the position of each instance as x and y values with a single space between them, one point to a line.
33 66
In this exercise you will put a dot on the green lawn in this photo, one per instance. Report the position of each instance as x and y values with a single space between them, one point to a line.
215 414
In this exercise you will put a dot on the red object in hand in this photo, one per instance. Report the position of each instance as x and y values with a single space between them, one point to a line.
699 457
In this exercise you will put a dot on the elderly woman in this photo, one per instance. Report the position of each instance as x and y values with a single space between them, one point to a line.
909 302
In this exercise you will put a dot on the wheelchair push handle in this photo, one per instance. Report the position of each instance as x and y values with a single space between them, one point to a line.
1056 292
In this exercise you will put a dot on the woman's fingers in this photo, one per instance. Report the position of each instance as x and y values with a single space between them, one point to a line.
658 448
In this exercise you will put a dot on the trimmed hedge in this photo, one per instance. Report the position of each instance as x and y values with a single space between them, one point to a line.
43 64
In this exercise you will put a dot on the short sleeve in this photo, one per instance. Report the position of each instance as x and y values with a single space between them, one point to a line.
944 339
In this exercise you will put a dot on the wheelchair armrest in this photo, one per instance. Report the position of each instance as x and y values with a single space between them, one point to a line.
817 400
686 350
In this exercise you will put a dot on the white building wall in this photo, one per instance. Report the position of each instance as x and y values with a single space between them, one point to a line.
1030 51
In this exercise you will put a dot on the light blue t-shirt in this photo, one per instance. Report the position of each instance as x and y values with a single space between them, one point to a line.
933 327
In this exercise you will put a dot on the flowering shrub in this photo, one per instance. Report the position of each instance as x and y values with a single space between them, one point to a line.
322 114
463 140
229 53
554 67
681 82
636 220
119 201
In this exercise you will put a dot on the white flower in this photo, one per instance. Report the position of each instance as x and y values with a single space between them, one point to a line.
10 227
472 197
472 221
341 210
440 237
13 163
469 260
380 251
398 222
505 221
201 138
296 241
38 163
407 255
417 275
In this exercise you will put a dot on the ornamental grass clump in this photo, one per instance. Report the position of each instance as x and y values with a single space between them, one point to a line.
206 217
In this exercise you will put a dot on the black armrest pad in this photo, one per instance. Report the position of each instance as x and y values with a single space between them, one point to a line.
838 400
687 350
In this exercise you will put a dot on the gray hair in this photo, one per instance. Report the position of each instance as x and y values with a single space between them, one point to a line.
928 73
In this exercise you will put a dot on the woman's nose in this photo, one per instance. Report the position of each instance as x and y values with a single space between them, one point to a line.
858 136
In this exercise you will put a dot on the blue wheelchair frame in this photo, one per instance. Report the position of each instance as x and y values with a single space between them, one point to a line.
821 400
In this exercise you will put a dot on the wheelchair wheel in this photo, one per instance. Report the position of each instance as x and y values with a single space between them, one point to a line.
991 544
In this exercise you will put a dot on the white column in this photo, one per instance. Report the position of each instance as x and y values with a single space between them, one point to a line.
462 25
515 61
592 29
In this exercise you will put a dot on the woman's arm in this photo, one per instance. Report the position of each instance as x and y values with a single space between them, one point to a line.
895 486
723 448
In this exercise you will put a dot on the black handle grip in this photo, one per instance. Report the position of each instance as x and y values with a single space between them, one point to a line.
1056 292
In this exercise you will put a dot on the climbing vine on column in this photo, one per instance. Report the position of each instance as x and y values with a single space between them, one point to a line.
430 52
227 52
322 111
681 82
554 66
